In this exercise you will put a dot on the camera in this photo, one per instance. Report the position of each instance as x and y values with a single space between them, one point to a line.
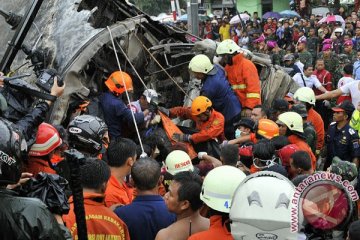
46 79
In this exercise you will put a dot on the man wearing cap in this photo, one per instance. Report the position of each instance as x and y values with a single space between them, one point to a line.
276 53
304 55
309 130
349 51
342 140
289 63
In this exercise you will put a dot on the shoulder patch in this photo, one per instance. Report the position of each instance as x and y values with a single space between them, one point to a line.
352 131
333 123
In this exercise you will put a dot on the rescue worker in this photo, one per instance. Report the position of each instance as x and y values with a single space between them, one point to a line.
306 96
116 113
217 88
244 127
88 134
101 222
309 130
304 55
183 199
209 122
20 217
342 140
242 75
217 195
355 119
41 152
292 125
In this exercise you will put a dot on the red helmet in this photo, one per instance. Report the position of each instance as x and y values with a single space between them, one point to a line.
47 139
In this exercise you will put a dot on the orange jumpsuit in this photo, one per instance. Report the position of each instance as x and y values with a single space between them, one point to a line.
101 222
244 80
211 129
36 165
303 146
216 231
117 193
318 123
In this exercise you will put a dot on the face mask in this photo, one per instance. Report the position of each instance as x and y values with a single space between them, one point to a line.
238 133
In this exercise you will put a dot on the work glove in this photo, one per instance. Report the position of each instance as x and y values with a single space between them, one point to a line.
224 143
181 137
327 104
201 155
153 107
164 111
155 120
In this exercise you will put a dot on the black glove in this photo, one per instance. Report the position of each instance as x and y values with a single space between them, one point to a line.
153 107
181 137
164 111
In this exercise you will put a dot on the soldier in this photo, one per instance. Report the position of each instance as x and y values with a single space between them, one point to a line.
330 59
304 55
349 51
313 43
342 140
276 53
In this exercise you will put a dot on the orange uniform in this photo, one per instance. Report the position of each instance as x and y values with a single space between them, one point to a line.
36 165
216 231
211 129
318 123
117 193
244 80
303 146
101 222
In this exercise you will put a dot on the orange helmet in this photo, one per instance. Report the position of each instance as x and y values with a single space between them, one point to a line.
200 105
47 139
115 82
267 128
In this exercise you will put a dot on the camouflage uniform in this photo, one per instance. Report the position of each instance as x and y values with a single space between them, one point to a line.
312 44
331 64
339 71
310 134
347 170
351 56
277 58
305 57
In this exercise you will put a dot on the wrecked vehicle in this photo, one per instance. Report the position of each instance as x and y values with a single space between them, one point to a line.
74 37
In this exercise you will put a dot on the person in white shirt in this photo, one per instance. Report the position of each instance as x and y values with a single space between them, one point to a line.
307 79
352 88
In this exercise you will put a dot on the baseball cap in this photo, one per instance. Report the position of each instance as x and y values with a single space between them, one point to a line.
300 109
288 57
149 94
271 44
345 106
327 41
246 122
280 105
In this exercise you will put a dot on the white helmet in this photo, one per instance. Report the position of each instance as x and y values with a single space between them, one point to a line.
305 94
227 46
339 30
219 186
150 94
292 120
261 207
201 63
178 161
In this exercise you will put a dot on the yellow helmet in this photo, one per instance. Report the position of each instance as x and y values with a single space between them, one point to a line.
200 105
292 120
219 186
201 63
227 46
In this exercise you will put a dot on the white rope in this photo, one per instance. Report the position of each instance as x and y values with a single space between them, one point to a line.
126 91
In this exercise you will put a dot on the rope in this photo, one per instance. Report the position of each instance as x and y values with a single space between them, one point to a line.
162 68
126 91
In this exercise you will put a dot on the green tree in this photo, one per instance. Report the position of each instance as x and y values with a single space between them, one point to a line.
155 7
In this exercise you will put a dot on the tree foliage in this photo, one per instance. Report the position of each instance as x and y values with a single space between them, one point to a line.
155 7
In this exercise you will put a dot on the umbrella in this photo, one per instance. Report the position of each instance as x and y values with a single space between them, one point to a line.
236 19
289 14
320 11
332 18
271 15
184 18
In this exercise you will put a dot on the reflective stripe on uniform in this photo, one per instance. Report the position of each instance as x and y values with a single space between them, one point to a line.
253 95
238 86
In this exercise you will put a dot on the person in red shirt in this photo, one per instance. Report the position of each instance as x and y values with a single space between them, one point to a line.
121 156
217 195
47 141
306 96
242 74
292 124
101 222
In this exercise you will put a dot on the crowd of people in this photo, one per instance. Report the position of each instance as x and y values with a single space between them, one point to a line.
232 176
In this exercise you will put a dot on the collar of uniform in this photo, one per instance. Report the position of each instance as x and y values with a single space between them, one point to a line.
216 222
237 58
148 198
91 198
213 71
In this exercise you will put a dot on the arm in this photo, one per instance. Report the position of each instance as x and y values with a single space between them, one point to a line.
328 95
214 161
252 82
182 112
240 140
161 235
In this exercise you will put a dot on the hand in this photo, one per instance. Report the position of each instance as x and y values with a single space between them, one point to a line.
246 113
153 107
56 90
164 111
201 155
181 137
327 103
25 176
156 120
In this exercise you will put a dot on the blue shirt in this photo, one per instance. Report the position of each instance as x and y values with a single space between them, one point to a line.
116 114
145 217
356 72
217 88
